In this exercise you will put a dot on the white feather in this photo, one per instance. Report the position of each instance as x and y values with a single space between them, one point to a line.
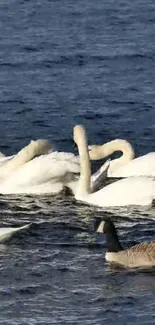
47 173
131 191
7 232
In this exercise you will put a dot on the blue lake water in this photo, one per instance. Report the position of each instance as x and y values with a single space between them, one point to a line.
63 63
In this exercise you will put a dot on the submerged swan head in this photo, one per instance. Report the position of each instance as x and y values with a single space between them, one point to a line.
41 146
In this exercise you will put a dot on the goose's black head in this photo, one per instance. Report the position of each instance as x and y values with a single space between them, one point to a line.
106 226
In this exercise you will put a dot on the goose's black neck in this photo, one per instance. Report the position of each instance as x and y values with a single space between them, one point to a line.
113 243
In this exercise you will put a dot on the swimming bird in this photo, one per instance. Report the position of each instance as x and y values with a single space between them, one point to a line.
140 255
126 165
48 173
13 163
130 191
8 232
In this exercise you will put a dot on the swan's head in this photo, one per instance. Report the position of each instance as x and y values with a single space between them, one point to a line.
42 146
79 134
96 152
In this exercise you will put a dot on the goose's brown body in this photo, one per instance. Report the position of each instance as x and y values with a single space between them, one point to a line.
140 255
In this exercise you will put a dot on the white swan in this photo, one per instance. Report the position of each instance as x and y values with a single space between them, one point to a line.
13 163
48 173
129 191
126 165
44 174
7 232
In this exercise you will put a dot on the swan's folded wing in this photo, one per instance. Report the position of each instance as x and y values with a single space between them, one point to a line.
141 166
64 156
97 179
39 171
8 232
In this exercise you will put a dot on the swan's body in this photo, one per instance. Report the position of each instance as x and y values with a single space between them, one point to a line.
133 191
7 232
139 255
48 173
130 191
44 174
24 173
126 165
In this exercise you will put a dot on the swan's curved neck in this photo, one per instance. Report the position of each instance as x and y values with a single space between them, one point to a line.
85 168
23 156
118 145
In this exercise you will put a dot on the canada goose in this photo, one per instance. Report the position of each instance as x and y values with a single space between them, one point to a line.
139 255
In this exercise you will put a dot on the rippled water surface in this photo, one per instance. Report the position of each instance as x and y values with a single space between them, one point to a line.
62 63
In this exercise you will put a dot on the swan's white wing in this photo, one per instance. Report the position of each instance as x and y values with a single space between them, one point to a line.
68 156
141 166
47 171
8 232
100 176
43 169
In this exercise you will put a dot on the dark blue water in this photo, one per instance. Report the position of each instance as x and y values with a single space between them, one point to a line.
63 63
